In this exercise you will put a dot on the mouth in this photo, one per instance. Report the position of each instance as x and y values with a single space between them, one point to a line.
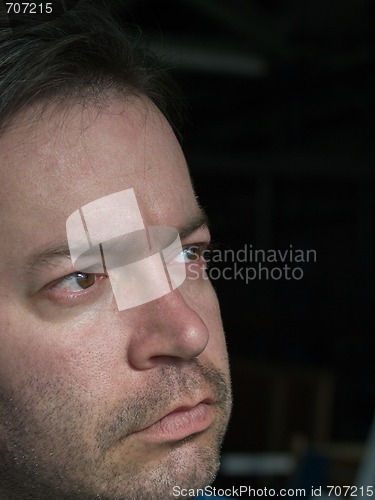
180 423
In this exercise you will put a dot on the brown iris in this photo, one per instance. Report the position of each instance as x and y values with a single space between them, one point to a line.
193 253
85 280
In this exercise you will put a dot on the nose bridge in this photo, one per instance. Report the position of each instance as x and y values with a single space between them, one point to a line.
154 273
168 328
176 308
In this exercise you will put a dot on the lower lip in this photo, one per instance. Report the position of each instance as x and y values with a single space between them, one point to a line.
181 424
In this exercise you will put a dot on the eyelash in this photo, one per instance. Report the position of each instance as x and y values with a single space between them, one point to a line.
53 288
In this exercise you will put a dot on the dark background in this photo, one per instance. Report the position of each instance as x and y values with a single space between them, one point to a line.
280 142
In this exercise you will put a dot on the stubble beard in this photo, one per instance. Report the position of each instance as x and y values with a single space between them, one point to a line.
45 456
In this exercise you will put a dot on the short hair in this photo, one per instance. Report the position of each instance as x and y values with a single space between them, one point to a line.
84 54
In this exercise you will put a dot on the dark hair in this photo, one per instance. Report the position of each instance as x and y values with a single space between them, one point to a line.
83 54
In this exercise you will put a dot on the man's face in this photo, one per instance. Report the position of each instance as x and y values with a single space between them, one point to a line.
97 402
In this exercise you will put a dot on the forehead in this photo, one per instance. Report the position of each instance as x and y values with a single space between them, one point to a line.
75 148
71 156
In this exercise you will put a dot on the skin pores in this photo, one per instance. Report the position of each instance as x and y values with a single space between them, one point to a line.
96 402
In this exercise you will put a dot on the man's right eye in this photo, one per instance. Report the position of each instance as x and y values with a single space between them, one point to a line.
73 287
75 282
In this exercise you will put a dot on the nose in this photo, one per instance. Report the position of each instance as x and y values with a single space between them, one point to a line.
168 329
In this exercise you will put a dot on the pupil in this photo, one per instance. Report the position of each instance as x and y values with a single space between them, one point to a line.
85 280
194 253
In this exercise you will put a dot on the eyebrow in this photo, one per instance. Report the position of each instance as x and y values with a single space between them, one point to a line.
199 222
47 257
54 253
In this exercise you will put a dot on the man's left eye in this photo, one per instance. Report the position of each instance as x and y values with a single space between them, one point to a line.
75 282
193 253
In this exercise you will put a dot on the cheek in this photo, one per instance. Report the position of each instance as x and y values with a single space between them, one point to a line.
17 352
85 357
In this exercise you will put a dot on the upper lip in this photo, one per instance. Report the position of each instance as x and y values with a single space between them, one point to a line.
208 401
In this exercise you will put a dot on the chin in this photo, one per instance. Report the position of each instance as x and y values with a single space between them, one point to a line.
191 463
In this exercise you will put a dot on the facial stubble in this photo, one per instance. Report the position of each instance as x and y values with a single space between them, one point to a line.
50 452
